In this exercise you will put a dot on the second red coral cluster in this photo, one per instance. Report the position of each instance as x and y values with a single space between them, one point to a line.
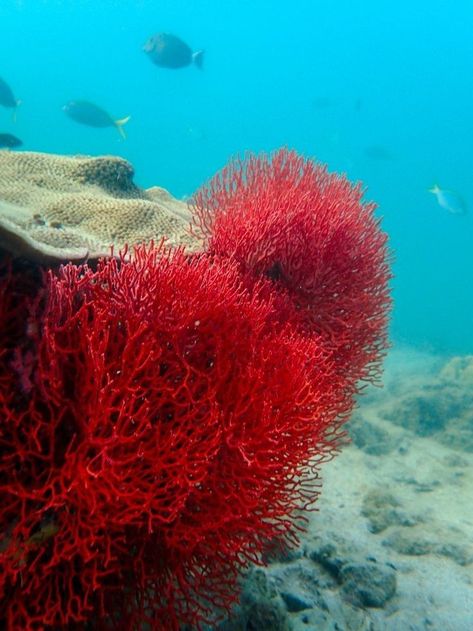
162 417
308 231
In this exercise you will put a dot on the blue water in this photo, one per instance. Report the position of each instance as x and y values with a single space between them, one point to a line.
397 76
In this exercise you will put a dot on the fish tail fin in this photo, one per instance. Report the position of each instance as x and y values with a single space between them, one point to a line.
119 123
434 189
198 58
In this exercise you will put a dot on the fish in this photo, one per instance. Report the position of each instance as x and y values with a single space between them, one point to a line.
449 200
322 102
9 141
378 152
7 98
169 51
87 113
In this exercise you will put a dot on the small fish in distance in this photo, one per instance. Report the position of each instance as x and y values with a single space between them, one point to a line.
168 51
449 200
7 98
322 102
9 141
378 152
87 113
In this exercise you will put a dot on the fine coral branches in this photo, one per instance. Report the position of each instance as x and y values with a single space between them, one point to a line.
162 421
310 233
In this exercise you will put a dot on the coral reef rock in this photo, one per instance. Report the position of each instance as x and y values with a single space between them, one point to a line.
440 405
68 208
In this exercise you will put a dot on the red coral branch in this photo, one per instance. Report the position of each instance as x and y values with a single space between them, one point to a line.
160 447
287 219
162 416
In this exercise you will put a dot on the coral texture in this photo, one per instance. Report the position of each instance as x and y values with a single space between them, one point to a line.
163 416
57 208
158 443
309 232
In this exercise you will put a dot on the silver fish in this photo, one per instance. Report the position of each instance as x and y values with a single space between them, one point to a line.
449 200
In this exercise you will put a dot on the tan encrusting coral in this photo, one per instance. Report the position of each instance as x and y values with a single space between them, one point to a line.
69 208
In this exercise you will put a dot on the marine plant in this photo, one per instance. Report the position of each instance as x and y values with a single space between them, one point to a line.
163 415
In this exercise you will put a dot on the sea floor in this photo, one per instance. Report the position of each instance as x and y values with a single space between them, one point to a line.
391 546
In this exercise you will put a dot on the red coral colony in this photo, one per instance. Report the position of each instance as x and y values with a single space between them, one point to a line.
162 416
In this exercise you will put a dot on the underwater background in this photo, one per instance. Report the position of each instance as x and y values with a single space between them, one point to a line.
379 90
383 92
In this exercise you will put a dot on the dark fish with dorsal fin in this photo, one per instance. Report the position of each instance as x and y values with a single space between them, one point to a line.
7 98
169 51
378 152
9 141
322 102
87 113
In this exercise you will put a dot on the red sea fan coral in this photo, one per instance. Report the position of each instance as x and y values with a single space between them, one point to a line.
168 434
161 416
309 232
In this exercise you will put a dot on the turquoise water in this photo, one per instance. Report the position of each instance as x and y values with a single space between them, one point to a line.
380 90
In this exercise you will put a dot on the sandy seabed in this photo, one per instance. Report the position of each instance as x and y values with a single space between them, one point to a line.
391 545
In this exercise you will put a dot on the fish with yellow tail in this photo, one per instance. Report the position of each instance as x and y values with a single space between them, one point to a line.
87 113
449 200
